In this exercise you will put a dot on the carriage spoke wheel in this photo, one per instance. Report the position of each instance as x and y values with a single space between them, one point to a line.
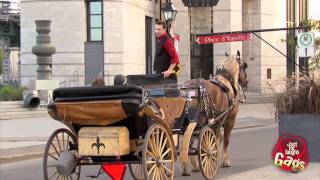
207 153
58 143
137 171
157 154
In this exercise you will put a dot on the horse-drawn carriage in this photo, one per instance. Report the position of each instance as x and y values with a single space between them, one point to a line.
146 126
147 122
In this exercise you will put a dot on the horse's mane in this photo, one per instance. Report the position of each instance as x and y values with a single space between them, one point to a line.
232 65
226 74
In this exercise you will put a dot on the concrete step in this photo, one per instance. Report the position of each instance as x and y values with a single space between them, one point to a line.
11 102
19 109
11 105
22 116
255 98
24 112
16 110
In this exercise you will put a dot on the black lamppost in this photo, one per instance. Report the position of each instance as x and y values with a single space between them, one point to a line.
169 13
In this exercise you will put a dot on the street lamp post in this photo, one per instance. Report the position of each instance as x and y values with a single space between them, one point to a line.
169 13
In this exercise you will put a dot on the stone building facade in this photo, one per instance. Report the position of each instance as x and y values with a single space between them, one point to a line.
127 45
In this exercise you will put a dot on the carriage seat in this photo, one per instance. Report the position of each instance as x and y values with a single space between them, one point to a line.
156 84
149 79
97 93
96 105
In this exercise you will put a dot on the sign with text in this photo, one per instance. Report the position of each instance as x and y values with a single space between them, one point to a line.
201 20
223 38
291 153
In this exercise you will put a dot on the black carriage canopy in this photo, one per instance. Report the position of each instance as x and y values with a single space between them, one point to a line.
130 95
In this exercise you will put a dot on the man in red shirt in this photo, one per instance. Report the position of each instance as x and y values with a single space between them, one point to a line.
166 56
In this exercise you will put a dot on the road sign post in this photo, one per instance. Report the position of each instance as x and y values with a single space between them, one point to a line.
306 44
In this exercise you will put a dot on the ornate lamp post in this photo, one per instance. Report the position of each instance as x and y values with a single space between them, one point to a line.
169 13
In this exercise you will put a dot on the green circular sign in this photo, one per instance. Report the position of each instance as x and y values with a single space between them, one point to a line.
305 39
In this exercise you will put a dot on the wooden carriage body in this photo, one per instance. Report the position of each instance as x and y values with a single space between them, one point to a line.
120 123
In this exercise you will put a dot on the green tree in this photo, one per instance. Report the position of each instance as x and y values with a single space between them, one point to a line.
314 62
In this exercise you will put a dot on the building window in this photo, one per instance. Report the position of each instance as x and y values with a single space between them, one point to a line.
95 20
268 73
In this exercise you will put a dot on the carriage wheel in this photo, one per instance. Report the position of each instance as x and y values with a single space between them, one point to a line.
157 154
207 153
58 143
137 171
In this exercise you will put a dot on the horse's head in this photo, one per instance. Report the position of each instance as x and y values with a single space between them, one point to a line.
242 74
243 78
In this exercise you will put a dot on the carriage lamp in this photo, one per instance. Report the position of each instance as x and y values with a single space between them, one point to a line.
169 12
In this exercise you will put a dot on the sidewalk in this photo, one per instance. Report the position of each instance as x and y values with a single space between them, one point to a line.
25 138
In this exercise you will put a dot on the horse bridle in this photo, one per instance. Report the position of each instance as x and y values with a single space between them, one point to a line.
238 59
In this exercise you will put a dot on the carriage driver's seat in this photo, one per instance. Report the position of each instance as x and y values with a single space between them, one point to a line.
155 84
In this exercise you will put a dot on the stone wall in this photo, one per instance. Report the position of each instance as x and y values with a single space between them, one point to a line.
183 29
67 35
273 16
260 56
227 16
124 37
251 50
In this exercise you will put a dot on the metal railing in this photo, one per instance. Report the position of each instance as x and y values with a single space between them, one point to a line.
88 79
74 81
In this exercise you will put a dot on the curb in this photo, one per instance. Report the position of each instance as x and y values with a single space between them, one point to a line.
21 153
250 126
18 158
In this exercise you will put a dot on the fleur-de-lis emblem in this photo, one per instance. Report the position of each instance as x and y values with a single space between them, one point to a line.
98 144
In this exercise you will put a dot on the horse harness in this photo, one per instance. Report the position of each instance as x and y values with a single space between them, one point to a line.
224 88
227 75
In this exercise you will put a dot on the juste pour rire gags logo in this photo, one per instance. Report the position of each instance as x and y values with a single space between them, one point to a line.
291 153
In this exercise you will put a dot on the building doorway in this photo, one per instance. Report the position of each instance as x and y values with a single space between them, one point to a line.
201 60
148 38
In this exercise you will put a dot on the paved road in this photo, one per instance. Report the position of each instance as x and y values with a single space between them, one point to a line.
17 133
250 149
